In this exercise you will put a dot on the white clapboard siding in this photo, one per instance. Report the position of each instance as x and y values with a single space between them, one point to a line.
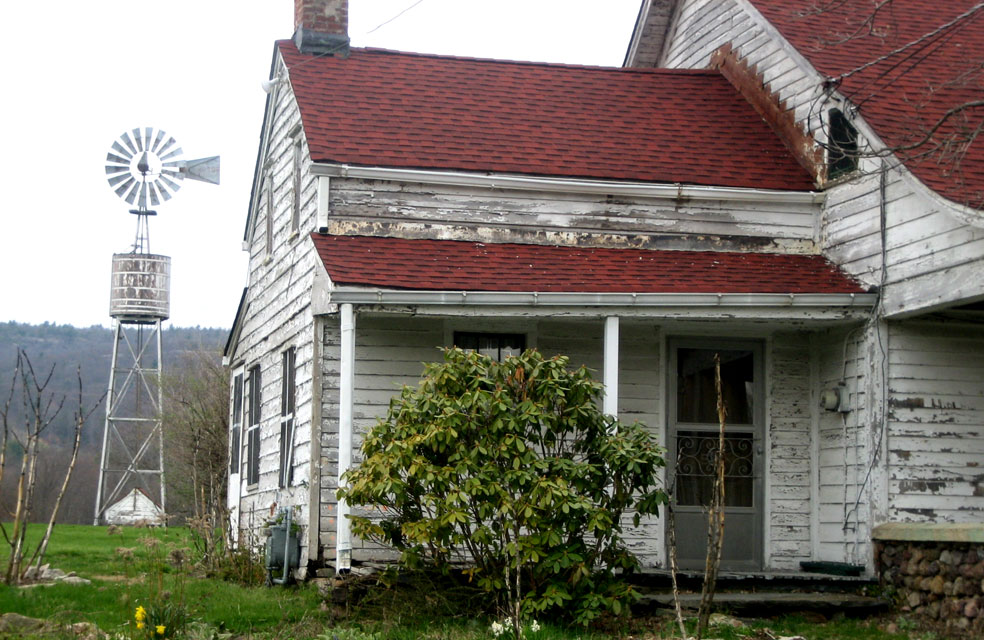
280 318
496 215
936 421
790 427
842 449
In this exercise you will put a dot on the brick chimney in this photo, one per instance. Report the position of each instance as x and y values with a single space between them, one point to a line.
321 27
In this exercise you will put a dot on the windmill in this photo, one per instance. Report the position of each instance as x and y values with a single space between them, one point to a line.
145 169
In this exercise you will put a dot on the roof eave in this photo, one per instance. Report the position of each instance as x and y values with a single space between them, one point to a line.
566 185
379 296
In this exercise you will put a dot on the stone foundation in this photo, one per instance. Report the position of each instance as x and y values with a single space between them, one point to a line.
941 579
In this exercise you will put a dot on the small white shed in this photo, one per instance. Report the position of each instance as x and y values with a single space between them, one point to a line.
135 507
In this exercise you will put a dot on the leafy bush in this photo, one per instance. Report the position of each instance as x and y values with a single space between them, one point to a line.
513 467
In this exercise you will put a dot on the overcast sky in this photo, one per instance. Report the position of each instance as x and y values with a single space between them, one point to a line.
81 73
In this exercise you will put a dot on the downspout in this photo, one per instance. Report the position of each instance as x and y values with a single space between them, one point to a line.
343 540
315 555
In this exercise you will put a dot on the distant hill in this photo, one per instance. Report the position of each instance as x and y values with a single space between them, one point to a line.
68 349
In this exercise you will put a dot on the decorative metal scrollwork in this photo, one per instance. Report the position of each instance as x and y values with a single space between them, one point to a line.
695 469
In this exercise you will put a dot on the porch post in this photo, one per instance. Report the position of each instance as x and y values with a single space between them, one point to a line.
610 404
346 382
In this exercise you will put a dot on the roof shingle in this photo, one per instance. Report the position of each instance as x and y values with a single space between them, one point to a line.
449 265
384 108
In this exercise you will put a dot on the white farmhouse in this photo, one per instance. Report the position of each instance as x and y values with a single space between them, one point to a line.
739 187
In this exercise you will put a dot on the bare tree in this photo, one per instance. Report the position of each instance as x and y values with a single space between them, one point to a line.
196 431
918 85
40 409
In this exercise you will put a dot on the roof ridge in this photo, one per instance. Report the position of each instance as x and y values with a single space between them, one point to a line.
524 63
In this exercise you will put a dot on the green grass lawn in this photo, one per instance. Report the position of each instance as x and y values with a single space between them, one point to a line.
221 609
120 584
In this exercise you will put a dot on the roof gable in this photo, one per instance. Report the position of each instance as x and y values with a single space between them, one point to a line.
383 108
914 61
450 265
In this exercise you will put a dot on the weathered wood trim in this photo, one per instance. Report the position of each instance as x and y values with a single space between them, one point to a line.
565 185
753 86
315 550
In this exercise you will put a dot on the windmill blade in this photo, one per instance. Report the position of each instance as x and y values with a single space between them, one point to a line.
112 169
126 185
131 196
173 174
125 137
123 152
138 139
114 159
167 145
174 186
142 200
115 180
171 154
148 131
157 142
154 200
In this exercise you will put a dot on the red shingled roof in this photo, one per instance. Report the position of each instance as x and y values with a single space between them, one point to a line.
903 96
383 108
449 265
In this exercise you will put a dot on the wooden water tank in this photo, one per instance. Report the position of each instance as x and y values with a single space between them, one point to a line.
141 287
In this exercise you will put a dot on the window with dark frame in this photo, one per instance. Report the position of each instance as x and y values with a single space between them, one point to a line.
253 432
287 395
268 246
237 424
842 151
497 346
295 210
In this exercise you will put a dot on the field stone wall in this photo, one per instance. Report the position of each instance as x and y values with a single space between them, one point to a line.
943 581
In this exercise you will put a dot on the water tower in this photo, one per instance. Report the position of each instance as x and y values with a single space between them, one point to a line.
145 169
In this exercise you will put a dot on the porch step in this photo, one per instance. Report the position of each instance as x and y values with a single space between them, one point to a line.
763 603
765 581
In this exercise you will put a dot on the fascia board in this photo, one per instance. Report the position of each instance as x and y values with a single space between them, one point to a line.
566 185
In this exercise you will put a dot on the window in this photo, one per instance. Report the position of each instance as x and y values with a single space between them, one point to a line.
268 246
295 210
497 346
287 418
253 432
842 150
237 424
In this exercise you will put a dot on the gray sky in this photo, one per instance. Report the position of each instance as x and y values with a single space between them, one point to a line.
81 73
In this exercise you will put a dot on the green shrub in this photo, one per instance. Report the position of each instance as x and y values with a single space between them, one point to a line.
512 466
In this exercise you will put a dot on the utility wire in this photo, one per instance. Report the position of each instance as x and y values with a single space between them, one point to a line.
379 26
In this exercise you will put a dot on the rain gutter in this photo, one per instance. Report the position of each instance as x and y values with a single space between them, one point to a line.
344 295
568 185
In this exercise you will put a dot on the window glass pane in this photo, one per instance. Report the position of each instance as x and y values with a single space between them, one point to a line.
696 395
237 400
234 447
497 346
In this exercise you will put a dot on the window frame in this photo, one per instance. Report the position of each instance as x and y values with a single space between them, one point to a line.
843 158
236 425
459 336
254 385
288 407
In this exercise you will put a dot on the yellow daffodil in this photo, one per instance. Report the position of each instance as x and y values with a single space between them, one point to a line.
140 625
160 629
141 614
